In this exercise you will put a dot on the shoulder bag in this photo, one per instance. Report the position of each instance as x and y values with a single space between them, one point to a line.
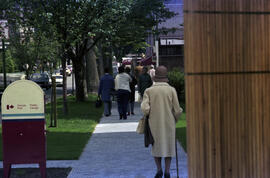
141 125
148 137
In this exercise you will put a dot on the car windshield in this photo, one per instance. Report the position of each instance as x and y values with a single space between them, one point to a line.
37 76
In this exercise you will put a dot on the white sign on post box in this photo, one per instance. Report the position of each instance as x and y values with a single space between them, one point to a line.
23 126
23 99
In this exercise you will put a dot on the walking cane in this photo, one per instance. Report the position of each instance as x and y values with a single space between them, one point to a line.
176 155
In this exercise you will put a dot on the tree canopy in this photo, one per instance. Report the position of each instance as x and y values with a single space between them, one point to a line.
123 23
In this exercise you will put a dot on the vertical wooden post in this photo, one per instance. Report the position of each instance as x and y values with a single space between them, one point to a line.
53 104
54 101
227 66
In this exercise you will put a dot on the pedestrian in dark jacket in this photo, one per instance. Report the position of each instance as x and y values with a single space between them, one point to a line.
132 92
106 86
145 81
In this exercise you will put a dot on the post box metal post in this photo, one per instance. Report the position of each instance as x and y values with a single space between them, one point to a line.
23 126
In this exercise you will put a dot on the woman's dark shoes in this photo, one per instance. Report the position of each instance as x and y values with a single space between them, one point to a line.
121 117
132 113
159 174
167 175
128 113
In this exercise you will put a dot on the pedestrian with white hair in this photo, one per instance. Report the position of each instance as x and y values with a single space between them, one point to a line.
152 71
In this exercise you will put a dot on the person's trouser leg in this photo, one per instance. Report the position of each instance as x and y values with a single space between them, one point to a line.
120 96
110 107
132 107
128 107
125 103
106 108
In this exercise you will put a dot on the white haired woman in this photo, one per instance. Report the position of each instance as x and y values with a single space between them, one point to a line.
160 102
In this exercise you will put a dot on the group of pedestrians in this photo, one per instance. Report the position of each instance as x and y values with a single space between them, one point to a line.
159 102
124 86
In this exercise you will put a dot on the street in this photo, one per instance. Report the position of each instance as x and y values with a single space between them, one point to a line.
59 90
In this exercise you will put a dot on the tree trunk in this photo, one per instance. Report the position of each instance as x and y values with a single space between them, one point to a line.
92 77
80 82
100 62
107 58
65 107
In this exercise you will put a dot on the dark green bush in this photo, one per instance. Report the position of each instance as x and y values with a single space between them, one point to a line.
177 80
10 63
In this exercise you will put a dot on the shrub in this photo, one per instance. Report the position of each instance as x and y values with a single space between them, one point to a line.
10 63
177 80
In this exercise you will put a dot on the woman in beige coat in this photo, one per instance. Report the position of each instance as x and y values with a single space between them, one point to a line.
160 102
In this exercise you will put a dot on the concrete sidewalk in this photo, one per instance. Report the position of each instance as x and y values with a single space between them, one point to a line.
115 150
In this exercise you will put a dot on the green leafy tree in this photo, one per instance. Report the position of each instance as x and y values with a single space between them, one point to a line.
10 63
33 49
124 23
142 20
73 24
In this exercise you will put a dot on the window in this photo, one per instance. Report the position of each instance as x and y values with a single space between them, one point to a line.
171 50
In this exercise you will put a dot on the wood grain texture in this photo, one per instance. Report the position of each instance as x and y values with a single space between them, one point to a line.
226 43
228 125
227 66
227 5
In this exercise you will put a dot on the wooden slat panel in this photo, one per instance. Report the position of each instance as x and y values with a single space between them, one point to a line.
227 5
227 43
227 62
228 121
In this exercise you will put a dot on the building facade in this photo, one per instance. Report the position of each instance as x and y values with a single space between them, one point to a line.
171 44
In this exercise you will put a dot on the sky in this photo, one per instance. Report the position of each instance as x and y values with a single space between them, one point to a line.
174 2
177 7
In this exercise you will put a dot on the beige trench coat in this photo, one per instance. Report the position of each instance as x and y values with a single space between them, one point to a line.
160 102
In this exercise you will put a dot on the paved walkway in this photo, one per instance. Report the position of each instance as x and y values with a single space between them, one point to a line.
115 150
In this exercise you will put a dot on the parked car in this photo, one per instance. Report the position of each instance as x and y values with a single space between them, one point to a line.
58 80
70 68
56 72
42 79
68 71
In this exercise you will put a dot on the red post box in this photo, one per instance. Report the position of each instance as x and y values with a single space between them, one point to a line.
23 126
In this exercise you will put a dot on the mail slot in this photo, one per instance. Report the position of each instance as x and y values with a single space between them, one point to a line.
23 126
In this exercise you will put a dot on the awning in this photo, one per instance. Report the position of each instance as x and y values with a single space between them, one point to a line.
147 61
126 62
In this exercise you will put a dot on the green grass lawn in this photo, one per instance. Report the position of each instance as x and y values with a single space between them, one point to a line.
181 128
67 140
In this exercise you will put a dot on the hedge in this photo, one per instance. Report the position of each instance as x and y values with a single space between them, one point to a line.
177 80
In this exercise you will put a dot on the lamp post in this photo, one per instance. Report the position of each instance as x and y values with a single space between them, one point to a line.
4 35
157 53
4 63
